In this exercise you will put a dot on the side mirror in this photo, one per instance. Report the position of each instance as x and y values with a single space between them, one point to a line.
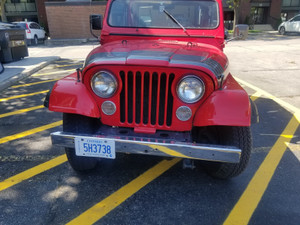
96 22
241 32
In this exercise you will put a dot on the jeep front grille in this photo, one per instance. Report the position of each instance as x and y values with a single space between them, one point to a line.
146 98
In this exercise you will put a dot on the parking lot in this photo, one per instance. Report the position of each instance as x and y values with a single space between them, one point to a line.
37 185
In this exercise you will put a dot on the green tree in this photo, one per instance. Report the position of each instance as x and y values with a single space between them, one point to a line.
3 16
235 5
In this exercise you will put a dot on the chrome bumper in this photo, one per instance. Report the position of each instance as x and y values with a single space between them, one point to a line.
159 147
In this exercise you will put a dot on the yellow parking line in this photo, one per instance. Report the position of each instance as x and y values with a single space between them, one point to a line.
246 205
169 151
30 132
108 204
31 84
32 172
21 111
22 96
248 202
256 95
272 97
50 73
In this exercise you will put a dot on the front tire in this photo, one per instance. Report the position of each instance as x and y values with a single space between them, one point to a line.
281 30
35 40
231 136
79 124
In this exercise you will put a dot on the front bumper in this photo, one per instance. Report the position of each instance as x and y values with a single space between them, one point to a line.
158 147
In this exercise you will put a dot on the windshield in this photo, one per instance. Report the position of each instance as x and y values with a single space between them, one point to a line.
23 25
191 14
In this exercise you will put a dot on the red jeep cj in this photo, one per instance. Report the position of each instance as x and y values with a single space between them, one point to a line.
158 84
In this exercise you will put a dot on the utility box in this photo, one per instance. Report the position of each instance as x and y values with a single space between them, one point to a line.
12 43
241 31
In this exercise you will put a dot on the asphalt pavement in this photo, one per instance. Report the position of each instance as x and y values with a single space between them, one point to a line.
38 186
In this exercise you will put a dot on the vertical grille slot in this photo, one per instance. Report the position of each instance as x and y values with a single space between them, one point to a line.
130 99
162 97
122 98
146 98
170 100
138 84
154 97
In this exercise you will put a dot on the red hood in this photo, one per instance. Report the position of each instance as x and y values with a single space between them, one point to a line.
160 53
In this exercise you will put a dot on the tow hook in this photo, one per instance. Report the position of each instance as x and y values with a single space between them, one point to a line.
188 164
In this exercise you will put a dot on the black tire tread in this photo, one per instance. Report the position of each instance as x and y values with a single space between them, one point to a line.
280 32
79 124
242 138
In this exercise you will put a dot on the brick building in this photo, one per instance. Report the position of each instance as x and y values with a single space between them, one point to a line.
70 18
264 11
31 10
75 25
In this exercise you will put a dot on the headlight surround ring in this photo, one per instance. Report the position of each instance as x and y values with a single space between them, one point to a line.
190 89
104 84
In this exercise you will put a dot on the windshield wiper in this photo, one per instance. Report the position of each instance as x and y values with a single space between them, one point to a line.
175 21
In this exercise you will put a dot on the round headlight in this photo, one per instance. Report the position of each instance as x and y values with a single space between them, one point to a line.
104 84
190 89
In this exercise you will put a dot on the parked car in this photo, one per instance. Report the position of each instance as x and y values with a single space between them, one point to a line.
34 32
292 25
159 84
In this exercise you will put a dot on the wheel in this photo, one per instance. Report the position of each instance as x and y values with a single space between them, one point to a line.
282 30
229 136
79 124
35 40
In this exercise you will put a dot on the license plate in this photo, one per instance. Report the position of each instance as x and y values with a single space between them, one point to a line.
94 147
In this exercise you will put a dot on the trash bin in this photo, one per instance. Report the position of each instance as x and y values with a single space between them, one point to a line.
12 42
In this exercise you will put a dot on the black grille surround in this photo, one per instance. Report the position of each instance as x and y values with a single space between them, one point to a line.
146 98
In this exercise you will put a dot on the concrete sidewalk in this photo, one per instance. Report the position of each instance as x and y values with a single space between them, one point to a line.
16 71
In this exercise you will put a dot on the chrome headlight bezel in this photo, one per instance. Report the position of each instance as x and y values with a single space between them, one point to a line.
112 84
198 96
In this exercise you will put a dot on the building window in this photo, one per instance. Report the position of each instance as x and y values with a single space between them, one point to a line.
288 3
260 15
20 1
